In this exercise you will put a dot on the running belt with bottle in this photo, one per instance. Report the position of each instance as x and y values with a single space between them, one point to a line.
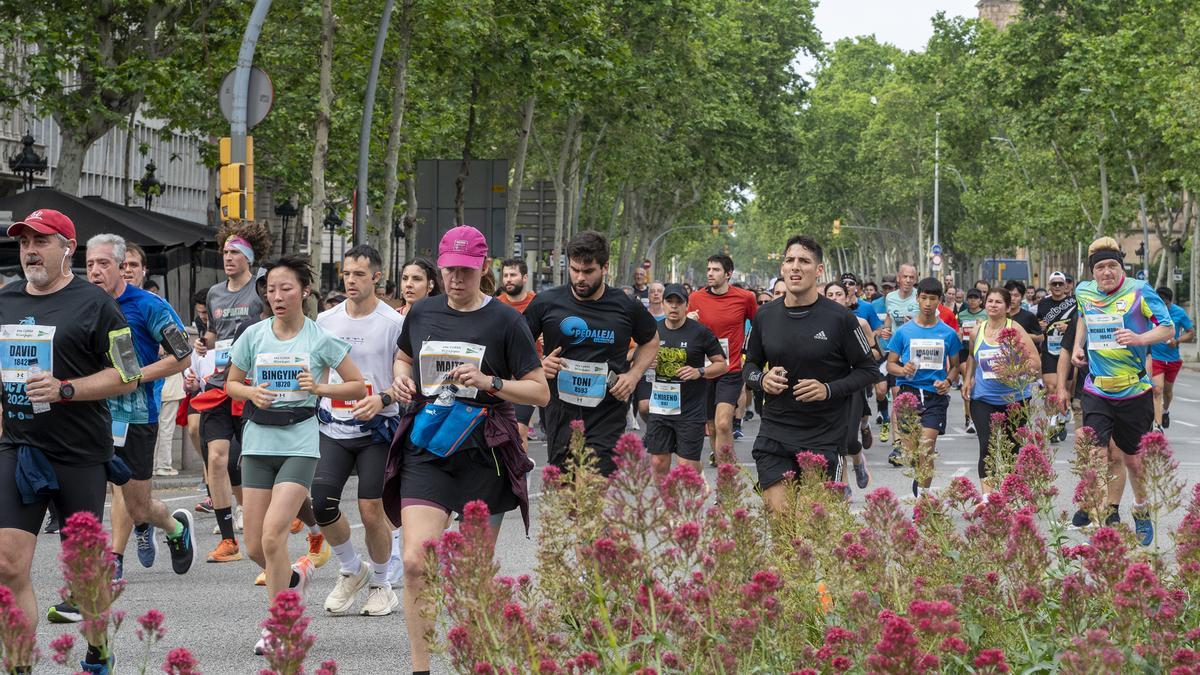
1118 372
988 388
372 341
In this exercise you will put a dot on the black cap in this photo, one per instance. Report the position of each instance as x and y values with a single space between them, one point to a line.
974 293
850 276
676 290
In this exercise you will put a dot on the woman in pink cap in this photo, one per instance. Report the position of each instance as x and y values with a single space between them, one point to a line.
478 355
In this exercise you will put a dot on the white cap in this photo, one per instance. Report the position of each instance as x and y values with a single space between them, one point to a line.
1057 276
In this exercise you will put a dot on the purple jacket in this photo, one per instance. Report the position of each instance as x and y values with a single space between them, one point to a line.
499 431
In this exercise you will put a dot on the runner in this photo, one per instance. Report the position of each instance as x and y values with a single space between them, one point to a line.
641 291
819 359
418 280
515 282
900 306
656 301
778 289
355 436
1054 314
983 393
288 358
858 432
970 317
153 323
1116 324
677 400
1020 313
724 309
1165 360
921 355
587 328
478 353
233 306
60 335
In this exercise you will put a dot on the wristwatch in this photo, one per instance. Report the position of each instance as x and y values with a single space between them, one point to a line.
702 372
66 390
386 399
497 385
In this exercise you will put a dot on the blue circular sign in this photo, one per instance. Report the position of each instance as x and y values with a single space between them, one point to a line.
937 249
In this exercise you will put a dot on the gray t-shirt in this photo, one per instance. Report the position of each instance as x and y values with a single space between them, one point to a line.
230 313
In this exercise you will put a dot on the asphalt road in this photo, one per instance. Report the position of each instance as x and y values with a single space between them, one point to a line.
215 609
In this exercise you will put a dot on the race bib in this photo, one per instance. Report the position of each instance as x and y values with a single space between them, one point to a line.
120 432
1102 330
929 354
1053 344
986 358
281 373
582 383
968 326
882 316
21 347
724 350
221 353
439 357
650 375
341 410
665 399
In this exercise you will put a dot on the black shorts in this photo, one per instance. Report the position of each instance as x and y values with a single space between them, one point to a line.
138 451
524 413
602 426
932 407
776 461
725 389
340 456
1122 420
81 488
220 424
891 381
642 391
451 482
666 434
1049 364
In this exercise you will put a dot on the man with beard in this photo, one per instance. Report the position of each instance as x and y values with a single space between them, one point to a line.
587 327
514 282
64 349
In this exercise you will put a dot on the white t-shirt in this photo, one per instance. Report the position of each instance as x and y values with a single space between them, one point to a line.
372 340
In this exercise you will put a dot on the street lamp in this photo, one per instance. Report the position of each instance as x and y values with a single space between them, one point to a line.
286 211
149 187
27 162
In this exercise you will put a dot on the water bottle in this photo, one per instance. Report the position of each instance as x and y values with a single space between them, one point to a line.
446 398
34 369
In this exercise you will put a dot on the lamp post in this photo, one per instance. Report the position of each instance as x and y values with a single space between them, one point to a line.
27 162
149 186
286 211
397 237
332 221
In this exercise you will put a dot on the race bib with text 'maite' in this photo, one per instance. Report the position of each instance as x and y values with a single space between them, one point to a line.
439 357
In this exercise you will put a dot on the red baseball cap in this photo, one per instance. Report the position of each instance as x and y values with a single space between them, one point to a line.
45 221
463 246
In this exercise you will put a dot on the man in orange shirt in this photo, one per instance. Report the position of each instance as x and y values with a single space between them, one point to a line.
514 282
725 310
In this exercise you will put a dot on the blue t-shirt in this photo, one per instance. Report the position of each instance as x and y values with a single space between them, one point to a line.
927 346
147 315
323 350
867 312
1160 351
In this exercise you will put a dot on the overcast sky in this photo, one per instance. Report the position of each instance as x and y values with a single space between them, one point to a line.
904 23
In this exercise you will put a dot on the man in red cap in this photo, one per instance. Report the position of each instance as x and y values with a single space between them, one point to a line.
64 349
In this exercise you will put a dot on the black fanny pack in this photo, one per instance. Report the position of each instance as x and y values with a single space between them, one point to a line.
277 417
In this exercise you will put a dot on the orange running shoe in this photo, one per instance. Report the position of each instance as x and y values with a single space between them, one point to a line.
296 525
318 550
226 551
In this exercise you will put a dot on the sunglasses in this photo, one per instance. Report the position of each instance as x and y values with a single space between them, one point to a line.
1058 283
847 282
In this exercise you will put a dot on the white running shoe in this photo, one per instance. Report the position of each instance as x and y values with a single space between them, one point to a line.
396 571
305 568
237 518
341 598
381 600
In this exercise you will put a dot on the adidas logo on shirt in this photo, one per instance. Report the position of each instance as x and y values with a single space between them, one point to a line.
820 336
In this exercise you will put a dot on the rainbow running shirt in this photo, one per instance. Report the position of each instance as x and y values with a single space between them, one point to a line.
1118 372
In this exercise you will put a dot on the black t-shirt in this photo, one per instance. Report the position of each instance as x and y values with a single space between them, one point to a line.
1053 312
822 341
688 345
1028 321
592 333
85 321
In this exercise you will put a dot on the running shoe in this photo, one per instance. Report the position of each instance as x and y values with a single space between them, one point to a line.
52 524
261 579
98 668
1082 519
867 438
846 493
166 471
304 570
861 477
260 647
916 488
1143 526
297 525
183 547
318 549
119 564
64 612
1157 427
737 434
381 600
883 432
1166 419
396 571
894 457
205 506
970 426
147 545
878 418
237 519
749 415
226 551
712 459
341 598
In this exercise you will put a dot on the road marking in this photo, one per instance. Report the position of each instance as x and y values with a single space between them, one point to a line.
1186 424
1189 400
962 471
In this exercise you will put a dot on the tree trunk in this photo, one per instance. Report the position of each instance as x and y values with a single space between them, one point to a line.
573 191
321 144
559 178
391 161
464 169
409 246
517 182
128 191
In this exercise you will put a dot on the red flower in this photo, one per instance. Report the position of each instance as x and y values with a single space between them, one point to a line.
992 659
181 662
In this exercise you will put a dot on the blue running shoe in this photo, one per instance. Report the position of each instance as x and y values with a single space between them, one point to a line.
147 547
183 547
1143 527
119 563
98 668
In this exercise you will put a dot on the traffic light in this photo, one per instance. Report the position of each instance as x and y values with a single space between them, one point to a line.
236 182
716 227
729 228
837 226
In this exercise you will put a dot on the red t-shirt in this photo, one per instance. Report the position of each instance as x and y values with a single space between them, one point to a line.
947 316
519 306
726 316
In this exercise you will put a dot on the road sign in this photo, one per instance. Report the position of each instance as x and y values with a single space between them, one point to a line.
936 250
645 264
1141 275
258 103
937 261
518 245
1177 274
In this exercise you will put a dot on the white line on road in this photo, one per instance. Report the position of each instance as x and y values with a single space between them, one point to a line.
962 471
1189 400
1186 424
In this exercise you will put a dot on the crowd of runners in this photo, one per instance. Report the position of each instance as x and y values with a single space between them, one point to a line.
432 402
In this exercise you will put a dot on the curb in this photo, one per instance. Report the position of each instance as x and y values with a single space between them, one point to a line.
185 479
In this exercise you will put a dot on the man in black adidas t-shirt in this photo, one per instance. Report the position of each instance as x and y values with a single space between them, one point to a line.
678 395
587 327
818 358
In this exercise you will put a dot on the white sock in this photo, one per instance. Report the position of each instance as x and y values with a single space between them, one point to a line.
395 543
347 556
314 529
379 574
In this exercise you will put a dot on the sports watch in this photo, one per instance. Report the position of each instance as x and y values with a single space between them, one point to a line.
66 390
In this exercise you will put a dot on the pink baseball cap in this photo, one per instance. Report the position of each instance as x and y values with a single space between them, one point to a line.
45 221
463 246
